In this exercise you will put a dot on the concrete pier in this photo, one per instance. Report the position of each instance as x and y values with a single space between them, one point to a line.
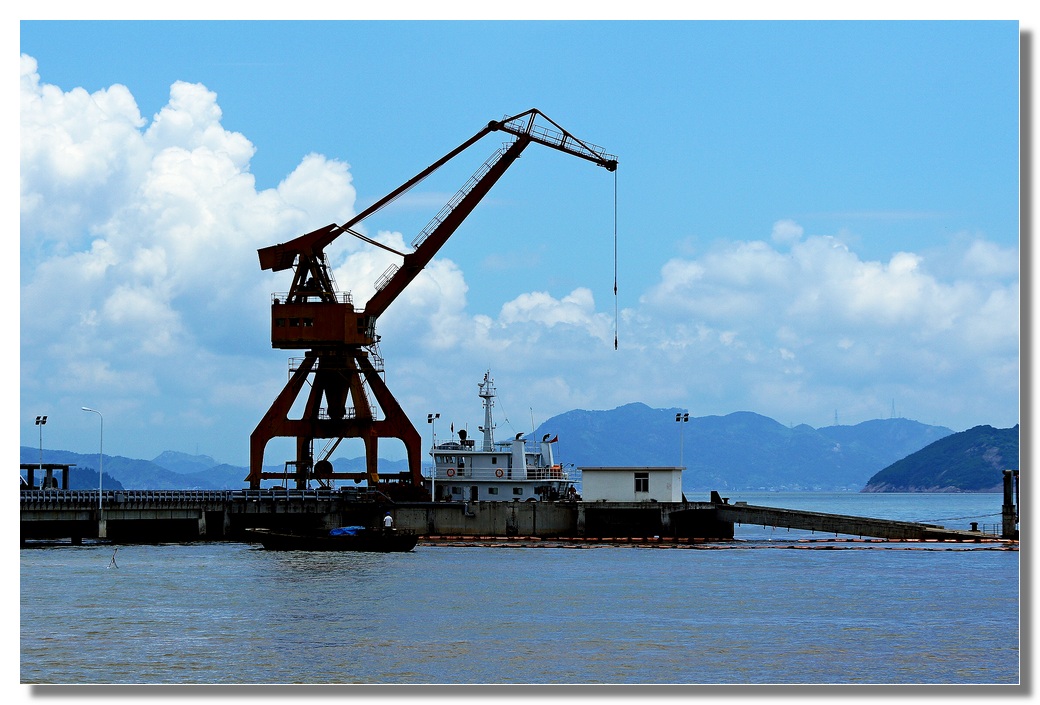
140 516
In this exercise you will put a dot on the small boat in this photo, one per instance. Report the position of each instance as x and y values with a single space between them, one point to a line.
347 538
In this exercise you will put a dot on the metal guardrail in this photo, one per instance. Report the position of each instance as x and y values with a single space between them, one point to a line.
181 496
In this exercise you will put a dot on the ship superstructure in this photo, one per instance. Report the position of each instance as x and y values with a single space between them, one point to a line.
520 469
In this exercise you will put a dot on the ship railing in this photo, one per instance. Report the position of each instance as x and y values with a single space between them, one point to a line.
530 446
555 472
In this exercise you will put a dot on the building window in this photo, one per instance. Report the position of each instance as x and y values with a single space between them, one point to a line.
642 482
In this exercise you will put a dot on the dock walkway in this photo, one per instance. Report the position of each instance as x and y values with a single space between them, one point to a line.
741 513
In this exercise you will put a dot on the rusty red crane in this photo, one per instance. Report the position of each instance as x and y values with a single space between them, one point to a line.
342 356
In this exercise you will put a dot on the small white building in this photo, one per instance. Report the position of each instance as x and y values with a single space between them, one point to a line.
631 484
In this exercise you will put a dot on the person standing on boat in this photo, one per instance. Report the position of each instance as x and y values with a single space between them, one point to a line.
388 523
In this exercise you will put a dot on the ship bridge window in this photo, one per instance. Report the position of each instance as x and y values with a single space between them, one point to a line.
456 490
492 490
494 460
518 490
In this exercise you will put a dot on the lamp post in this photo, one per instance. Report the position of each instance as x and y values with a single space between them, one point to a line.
101 461
681 418
40 421
431 419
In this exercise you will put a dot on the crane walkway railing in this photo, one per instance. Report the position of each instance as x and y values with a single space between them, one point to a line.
561 140
452 204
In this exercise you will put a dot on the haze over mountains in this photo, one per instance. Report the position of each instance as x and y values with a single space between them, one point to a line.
739 451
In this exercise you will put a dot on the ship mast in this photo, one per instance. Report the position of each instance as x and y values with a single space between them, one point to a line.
487 393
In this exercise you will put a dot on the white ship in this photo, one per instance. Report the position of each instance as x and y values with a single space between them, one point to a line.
519 470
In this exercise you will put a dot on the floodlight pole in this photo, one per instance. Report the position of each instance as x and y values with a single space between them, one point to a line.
681 418
432 420
40 421
101 469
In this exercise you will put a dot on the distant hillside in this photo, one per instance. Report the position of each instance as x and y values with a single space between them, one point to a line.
84 476
739 451
172 470
184 463
969 461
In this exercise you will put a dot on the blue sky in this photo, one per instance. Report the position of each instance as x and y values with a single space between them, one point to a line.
815 220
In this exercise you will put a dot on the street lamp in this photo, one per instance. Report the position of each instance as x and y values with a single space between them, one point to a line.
40 421
431 419
681 418
101 457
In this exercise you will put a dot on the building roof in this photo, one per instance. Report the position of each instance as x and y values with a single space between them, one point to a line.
631 468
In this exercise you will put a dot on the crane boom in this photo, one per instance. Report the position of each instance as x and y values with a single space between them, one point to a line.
523 125
433 237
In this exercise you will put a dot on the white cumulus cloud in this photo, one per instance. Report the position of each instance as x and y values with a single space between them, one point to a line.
141 291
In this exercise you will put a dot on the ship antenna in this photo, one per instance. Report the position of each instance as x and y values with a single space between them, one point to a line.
487 393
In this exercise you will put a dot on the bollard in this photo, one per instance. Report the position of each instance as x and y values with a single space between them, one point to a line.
1009 514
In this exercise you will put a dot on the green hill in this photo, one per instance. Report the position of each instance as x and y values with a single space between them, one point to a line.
969 461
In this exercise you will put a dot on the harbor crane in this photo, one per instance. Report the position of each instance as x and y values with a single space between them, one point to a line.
342 362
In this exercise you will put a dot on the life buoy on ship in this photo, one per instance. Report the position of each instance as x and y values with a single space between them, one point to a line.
499 473
451 472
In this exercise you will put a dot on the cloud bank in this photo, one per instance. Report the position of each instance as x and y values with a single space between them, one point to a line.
141 294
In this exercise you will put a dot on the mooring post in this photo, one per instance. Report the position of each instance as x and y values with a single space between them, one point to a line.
1009 514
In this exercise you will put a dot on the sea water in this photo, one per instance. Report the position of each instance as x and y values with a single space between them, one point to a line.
753 611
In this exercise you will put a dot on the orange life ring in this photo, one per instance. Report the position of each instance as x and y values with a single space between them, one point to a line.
451 472
499 473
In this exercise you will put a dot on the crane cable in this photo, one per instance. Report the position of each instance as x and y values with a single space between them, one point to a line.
615 264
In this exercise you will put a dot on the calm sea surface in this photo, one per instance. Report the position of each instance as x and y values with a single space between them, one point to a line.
749 612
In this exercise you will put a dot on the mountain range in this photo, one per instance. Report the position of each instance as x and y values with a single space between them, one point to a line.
738 451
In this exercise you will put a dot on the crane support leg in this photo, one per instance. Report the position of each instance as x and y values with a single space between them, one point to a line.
274 421
396 423
335 377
